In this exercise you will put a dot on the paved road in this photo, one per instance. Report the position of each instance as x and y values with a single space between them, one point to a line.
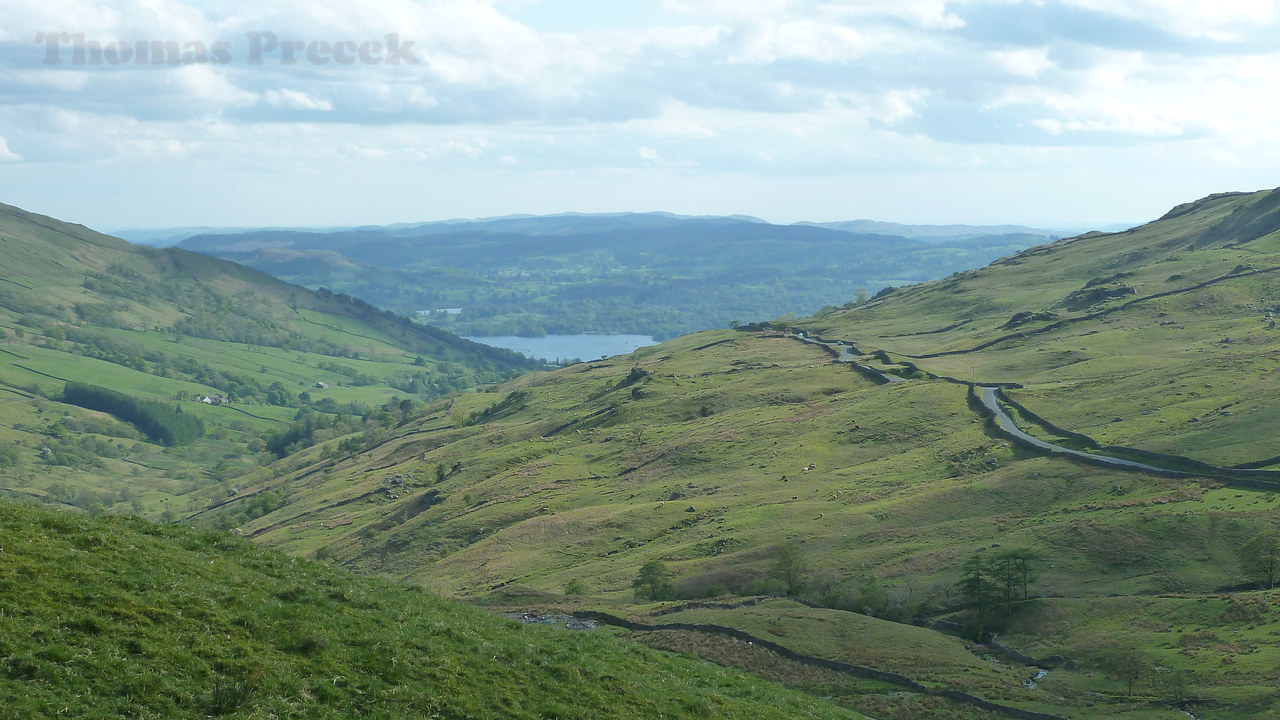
846 356
990 399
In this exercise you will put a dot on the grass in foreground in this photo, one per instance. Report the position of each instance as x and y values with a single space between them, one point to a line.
115 618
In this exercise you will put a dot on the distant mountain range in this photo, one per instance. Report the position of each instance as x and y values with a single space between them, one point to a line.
655 274
544 224
935 232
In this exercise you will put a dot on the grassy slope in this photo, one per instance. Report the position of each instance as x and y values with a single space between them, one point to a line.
926 656
907 486
1160 366
52 271
106 618
579 474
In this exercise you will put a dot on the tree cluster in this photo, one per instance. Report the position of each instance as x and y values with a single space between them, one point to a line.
991 583
162 422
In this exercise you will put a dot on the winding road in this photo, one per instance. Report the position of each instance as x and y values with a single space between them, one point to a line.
845 352
989 397
991 400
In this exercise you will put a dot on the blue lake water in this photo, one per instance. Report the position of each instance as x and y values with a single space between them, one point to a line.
578 347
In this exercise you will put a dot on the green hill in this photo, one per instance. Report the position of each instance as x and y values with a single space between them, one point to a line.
164 328
649 273
116 618
715 453
1161 338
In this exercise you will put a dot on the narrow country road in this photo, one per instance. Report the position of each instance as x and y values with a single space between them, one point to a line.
990 400
846 352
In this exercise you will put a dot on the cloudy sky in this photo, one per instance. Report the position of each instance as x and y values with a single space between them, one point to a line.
1044 112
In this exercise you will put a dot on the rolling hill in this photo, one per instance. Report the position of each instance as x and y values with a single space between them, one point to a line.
165 328
719 454
648 273
1161 338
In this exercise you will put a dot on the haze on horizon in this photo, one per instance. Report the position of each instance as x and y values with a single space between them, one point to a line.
1061 113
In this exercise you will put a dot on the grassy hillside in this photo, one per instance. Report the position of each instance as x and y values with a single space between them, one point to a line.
114 618
1161 338
171 326
718 453
579 477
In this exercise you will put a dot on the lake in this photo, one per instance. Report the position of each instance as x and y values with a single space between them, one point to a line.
578 347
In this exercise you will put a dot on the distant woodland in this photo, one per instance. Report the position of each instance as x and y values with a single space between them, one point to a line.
651 274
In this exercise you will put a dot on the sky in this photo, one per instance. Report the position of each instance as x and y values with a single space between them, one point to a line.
1051 113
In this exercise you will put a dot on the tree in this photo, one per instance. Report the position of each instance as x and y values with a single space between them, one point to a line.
9 457
460 417
1173 685
978 585
993 582
984 590
1005 575
1128 665
1025 560
790 567
1260 557
654 582
1014 571
159 421
871 598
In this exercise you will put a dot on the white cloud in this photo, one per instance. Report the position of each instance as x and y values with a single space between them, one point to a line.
21 20
677 120
7 155
296 100
926 14
803 39
1028 62
1224 21
42 80
896 105
731 9
790 89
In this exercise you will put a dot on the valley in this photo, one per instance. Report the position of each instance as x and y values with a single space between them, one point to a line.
172 328
714 453
568 360
1072 462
